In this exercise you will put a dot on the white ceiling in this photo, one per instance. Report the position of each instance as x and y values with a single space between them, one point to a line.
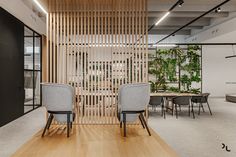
178 17
182 15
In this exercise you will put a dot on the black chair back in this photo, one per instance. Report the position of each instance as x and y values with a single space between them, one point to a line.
182 100
156 100
203 98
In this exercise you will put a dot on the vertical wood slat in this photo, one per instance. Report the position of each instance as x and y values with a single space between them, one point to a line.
81 70
49 48
80 39
109 97
57 46
53 49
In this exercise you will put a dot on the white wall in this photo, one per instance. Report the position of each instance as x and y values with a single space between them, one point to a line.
218 71
216 33
219 74
24 14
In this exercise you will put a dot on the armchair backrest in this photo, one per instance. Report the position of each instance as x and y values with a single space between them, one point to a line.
156 100
205 97
58 97
182 100
134 97
202 98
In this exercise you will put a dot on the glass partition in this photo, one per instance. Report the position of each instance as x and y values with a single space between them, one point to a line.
32 69
37 70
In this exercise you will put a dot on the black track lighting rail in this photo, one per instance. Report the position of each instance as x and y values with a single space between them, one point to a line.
230 56
217 44
172 8
176 4
194 20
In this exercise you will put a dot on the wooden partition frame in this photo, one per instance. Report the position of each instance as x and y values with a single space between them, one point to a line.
96 46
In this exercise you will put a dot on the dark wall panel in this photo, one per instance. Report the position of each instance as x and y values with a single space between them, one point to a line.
11 67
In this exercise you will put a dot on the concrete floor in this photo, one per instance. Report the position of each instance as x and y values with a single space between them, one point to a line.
16 133
203 136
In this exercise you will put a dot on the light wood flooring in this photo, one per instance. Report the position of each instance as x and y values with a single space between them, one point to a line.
96 141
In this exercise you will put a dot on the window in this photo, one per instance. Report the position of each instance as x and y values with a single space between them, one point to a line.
32 69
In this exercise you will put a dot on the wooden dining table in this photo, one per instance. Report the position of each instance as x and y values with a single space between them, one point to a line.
172 94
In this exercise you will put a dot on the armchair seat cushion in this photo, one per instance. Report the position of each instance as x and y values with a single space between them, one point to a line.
129 117
62 118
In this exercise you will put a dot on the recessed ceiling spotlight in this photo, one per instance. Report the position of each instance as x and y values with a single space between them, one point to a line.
218 10
181 2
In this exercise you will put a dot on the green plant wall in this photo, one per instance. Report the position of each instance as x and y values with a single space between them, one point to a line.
176 69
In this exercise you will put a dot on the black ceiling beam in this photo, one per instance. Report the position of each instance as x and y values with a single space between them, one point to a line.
213 9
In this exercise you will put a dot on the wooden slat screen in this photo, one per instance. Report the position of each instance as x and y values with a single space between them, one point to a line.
96 46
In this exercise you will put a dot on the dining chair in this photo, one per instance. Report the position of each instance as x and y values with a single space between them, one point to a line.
156 101
133 100
200 100
183 101
59 100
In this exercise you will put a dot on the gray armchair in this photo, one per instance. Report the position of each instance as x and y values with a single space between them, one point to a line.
59 100
200 100
182 101
132 102
156 101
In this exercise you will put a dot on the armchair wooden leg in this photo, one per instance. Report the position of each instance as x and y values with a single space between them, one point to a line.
192 111
189 110
50 121
203 110
172 109
145 124
162 114
176 111
163 111
71 125
199 108
48 124
141 121
209 108
68 125
124 121
120 124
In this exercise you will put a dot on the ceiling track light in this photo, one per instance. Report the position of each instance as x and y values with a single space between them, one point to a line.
162 18
40 6
181 2
164 45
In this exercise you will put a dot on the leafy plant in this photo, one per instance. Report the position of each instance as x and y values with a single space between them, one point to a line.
167 63
174 89
191 68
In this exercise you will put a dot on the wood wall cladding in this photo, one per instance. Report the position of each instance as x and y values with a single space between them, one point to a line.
96 46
